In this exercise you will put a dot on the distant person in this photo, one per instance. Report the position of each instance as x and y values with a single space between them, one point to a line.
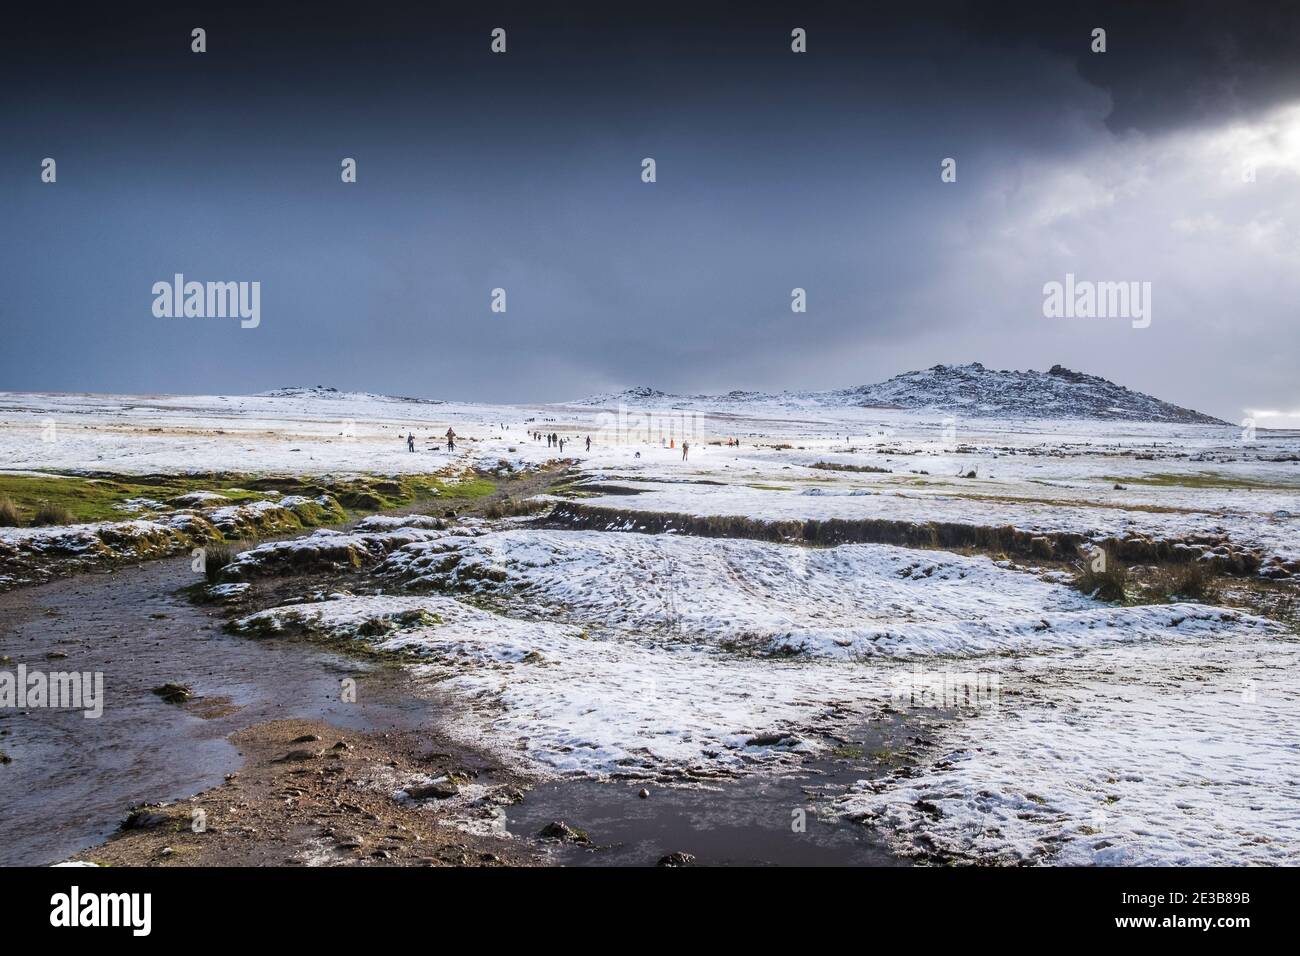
588 443
561 446
686 447
451 439
410 442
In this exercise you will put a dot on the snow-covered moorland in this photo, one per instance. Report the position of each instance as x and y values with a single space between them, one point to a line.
1114 733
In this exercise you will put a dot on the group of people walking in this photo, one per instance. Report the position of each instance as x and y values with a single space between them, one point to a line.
451 440
555 440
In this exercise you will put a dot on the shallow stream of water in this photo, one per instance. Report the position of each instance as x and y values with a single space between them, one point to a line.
72 779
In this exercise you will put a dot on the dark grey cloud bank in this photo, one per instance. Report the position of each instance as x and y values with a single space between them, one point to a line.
775 170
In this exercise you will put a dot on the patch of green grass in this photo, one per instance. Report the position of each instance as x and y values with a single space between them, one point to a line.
1201 479
473 488
888 755
89 498
837 466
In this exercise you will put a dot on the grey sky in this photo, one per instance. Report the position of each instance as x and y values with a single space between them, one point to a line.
775 170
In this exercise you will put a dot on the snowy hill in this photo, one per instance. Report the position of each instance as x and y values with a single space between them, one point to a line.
971 390
329 392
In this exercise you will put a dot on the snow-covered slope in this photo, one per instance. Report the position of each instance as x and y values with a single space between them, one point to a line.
329 392
972 390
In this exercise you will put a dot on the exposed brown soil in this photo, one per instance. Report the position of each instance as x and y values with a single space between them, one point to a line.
311 794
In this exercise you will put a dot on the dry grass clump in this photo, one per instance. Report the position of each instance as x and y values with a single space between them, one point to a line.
9 517
52 514
512 507
215 558
1101 576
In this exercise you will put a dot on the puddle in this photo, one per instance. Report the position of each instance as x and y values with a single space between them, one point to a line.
743 822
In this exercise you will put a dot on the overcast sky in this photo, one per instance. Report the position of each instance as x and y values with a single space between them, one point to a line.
775 170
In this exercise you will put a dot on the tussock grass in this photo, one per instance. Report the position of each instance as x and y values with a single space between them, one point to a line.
1193 581
1109 583
9 516
50 513
215 559
511 507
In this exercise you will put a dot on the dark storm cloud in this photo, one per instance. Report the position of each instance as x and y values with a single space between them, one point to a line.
522 171
1168 63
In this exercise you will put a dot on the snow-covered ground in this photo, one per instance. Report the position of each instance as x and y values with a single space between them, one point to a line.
1157 734
1047 475
1101 734
1152 754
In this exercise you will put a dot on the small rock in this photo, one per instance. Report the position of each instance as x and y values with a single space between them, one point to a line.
644 793
174 693
677 859
305 739
300 755
143 820
560 831
438 790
